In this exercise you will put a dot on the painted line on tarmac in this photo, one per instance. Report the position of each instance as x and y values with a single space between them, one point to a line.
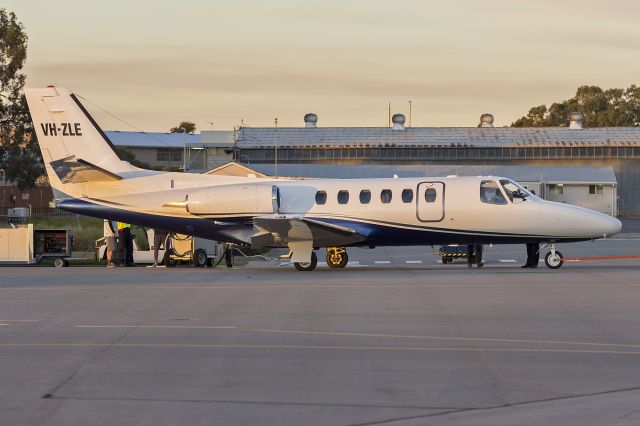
448 338
24 320
507 260
381 335
413 261
159 326
382 262
322 347
2 325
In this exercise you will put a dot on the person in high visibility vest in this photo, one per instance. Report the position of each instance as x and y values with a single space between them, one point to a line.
125 238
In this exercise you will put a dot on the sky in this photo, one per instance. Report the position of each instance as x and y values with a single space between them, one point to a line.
219 63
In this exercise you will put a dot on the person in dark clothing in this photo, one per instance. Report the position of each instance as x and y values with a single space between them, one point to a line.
470 258
126 239
474 255
533 255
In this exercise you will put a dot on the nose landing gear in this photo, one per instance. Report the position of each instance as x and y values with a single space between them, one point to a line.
337 257
553 259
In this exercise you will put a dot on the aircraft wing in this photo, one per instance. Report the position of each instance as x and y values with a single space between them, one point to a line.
285 229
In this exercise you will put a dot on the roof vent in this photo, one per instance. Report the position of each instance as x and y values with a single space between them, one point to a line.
486 120
310 121
575 120
398 121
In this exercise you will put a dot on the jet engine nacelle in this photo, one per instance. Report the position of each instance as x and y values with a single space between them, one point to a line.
245 198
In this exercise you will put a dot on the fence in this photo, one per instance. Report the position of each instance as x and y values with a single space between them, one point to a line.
41 212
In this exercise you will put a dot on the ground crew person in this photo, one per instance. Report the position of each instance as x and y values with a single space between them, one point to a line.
110 240
533 255
159 238
474 255
126 242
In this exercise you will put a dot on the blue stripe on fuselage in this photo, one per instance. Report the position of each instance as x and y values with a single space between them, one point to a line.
384 235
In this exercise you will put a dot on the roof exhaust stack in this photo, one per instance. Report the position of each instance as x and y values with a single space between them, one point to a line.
575 120
398 121
310 121
486 120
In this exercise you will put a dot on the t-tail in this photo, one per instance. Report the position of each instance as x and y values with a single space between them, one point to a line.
74 148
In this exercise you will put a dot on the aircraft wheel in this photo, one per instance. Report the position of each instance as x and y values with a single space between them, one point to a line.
200 258
337 258
228 257
307 266
553 261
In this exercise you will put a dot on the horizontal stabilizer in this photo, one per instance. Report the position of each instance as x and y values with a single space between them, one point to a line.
76 170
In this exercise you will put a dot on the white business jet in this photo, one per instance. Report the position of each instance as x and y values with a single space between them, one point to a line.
304 215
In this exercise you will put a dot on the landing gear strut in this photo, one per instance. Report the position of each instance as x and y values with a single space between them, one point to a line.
337 257
553 259
307 266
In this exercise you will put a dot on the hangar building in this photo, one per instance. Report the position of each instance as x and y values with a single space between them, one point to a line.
584 152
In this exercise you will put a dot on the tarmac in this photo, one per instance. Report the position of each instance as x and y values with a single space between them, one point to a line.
381 342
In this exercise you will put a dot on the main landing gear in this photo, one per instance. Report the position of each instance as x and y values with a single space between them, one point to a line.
307 266
337 257
553 259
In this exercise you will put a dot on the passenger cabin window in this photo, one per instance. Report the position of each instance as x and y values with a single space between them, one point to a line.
490 193
385 196
430 195
365 196
407 195
343 197
321 197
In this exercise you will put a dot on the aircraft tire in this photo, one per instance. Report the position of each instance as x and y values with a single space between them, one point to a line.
304 266
200 258
553 261
337 260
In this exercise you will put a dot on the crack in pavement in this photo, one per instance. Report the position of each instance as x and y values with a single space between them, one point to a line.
91 360
514 404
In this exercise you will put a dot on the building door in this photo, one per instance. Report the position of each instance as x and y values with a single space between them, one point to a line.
430 201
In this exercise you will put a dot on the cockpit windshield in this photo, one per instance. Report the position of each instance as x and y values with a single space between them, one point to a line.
512 189
490 193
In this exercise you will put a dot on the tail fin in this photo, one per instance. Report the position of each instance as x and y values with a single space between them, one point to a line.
65 131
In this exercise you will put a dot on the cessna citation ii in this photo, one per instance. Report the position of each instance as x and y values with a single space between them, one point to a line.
304 215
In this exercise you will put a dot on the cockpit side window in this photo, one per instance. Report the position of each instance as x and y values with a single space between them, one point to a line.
513 189
490 193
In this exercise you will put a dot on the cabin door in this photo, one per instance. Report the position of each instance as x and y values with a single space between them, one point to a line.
430 201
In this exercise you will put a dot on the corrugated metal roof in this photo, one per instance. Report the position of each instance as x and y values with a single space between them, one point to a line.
151 139
584 175
439 136
170 140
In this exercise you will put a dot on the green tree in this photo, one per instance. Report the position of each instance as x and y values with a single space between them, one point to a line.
601 108
19 155
184 127
130 157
